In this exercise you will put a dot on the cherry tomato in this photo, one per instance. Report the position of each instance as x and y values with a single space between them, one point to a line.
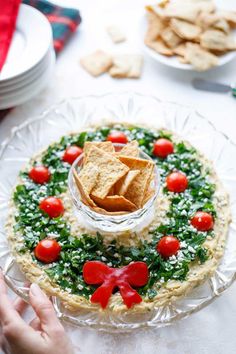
71 154
202 221
47 250
117 137
40 174
168 246
176 182
52 206
163 147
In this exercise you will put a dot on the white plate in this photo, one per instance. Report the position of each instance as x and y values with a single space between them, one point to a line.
26 75
31 41
31 90
173 61
28 78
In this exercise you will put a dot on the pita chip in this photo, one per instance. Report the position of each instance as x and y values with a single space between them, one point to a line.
130 149
123 184
110 169
84 188
115 203
103 145
139 185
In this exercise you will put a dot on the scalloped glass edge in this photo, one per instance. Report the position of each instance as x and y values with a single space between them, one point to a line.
132 108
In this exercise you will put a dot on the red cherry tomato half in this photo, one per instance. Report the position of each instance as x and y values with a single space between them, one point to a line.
52 206
163 147
202 221
47 250
176 182
117 137
40 174
168 246
71 154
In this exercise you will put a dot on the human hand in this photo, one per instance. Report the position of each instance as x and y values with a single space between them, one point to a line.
44 334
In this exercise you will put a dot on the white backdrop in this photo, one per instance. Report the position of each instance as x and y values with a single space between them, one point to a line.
213 329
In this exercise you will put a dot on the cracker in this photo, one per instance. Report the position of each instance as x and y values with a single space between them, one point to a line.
140 184
110 171
187 12
103 145
115 33
217 40
115 203
180 50
185 30
96 63
170 38
222 25
182 60
83 190
183 11
200 59
155 27
123 184
205 20
130 149
205 6
213 21
127 66
163 3
157 10
229 16
160 47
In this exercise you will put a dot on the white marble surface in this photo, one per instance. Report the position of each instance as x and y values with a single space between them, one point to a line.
213 329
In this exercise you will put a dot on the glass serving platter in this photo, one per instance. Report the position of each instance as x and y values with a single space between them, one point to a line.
77 113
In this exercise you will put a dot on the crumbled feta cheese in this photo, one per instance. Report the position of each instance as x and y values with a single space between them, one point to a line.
191 249
183 244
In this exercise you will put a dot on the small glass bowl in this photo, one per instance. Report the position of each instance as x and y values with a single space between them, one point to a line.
113 223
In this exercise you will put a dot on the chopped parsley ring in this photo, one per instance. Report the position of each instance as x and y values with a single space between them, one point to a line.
34 225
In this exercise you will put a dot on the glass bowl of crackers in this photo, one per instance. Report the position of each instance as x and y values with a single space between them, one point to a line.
114 187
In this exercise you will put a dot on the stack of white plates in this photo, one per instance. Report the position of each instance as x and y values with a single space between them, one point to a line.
30 60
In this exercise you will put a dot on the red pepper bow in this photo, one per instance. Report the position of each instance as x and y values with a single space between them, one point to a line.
98 273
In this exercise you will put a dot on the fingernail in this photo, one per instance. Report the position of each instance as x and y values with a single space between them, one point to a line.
35 290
